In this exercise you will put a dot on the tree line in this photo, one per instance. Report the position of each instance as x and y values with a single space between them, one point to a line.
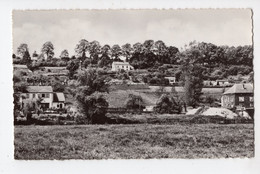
139 55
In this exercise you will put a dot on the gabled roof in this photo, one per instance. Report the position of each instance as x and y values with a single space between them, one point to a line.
240 88
39 89
58 97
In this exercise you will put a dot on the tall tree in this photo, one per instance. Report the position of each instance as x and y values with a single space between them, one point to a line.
72 66
149 57
171 53
160 50
138 48
127 51
106 50
23 51
48 50
137 55
116 51
148 46
82 48
94 51
192 74
104 59
91 105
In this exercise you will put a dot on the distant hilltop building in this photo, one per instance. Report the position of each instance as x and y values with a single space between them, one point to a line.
116 66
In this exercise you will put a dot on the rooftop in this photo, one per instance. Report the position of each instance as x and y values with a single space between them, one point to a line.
58 97
39 89
240 88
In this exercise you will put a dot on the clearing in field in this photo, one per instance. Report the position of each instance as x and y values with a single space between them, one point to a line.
134 141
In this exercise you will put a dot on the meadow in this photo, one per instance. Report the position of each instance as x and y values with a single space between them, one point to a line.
135 141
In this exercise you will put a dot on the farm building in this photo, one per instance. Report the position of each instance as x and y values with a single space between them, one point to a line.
121 65
49 99
172 80
239 96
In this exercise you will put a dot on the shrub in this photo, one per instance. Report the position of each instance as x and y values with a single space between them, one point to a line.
168 104
134 102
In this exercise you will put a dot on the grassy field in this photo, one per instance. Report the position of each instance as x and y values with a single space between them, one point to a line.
134 141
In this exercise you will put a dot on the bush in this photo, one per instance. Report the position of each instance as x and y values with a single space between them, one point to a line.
135 102
93 108
167 104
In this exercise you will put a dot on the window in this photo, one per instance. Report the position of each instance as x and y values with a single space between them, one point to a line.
241 99
251 99
33 95
27 95
47 95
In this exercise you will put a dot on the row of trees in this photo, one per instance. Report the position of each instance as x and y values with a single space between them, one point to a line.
146 54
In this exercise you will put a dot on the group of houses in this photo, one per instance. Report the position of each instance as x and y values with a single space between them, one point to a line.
239 96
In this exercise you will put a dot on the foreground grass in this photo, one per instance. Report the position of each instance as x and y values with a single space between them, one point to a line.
134 141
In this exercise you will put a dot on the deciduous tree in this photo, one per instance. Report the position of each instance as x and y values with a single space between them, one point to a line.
127 51
23 51
192 74
116 51
48 50
82 48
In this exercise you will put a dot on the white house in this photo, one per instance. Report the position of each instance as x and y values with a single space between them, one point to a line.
172 80
49 99
121 65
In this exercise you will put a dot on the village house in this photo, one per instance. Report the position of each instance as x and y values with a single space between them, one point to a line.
172 80
116 66
49 99
239 96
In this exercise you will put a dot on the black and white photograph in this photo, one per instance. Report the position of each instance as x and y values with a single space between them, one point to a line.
133 84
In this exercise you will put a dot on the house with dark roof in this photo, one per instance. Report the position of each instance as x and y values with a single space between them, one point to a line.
49 99
239 96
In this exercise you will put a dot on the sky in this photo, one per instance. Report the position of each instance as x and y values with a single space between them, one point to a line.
65 28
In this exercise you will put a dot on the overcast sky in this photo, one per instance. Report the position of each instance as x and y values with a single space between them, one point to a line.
175 27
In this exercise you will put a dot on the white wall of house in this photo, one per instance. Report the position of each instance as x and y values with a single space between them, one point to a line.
46 97
172 80
121 65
